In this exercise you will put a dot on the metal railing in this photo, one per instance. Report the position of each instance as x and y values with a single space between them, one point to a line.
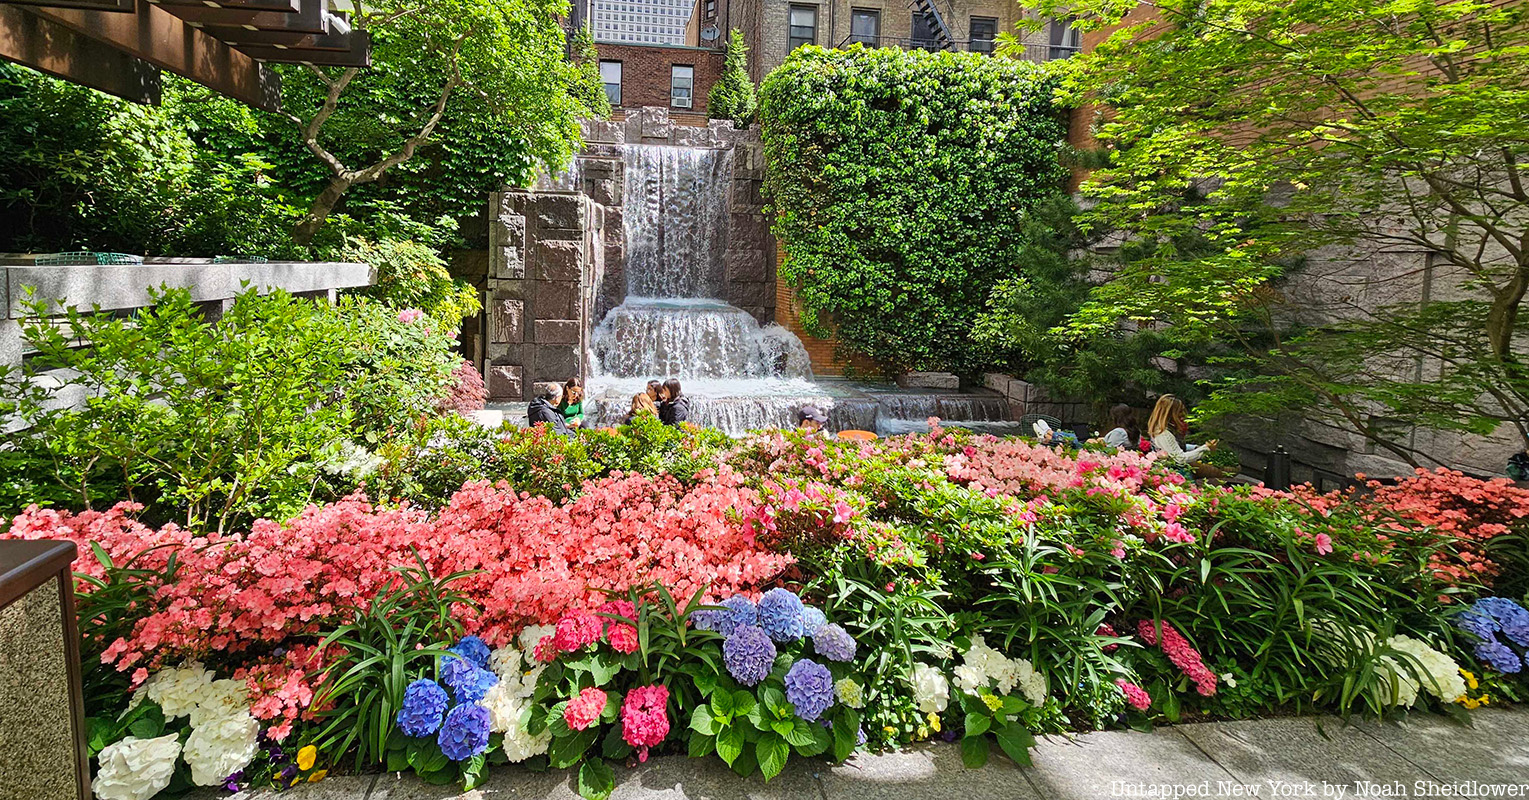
1032 51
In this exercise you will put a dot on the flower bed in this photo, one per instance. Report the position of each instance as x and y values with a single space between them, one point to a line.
659 590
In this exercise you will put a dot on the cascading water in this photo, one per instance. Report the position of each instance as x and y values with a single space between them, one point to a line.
672 325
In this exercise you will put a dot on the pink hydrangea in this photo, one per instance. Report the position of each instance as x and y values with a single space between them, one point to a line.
644 718
410 315
1181 653
1136 697
622 637
577 630
585 709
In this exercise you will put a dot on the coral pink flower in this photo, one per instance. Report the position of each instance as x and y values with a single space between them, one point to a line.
410 315
644 719
1136 697
1324 544
584 710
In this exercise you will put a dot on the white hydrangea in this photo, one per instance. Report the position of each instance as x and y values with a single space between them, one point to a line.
982 664
1441 675
532 634
504 712
220 698
136 769
518 671
850 693
931 691
221 746
177 690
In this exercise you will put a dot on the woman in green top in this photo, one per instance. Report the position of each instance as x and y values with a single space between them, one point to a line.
573 403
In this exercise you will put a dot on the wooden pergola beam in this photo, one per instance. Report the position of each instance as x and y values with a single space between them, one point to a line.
286 6
164 40
309 18
339 42
44 45
360 56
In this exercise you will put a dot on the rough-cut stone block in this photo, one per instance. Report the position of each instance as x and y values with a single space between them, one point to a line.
557 260
554 300
997 381
603 132
505 323
507 229
750 294
556 362
746 266
928 380
504 383
509 263
1018 390
556 331
556 213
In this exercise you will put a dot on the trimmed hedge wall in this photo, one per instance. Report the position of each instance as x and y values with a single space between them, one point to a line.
900 180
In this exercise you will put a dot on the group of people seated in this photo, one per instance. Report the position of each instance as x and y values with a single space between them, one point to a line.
664 400
1166 429
561 406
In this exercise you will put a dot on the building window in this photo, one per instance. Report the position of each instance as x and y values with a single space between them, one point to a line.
610 75
1065 39
804 26
923 32
984 31
711 9
865 26
681 85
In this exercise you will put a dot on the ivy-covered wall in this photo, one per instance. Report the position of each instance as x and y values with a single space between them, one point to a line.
899 181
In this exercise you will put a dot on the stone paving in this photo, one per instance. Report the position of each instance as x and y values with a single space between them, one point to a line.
1426 756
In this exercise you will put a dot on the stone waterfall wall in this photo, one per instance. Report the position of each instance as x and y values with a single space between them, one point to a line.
556 260
546 251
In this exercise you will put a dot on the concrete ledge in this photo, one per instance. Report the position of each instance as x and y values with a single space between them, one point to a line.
116 287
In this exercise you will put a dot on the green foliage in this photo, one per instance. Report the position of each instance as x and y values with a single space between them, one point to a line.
732 96
900 181
590 87
215 422
1020 329
1344 129
412 275
81 169
105 609
377 652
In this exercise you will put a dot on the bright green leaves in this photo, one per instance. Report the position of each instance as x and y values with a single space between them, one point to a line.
596 780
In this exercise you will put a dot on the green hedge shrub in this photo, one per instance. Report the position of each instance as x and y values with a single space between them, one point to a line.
900 180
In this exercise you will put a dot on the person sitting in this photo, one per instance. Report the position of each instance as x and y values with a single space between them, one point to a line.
1125 434
1166 427
642 403
811 419
676 406
543 408
572 407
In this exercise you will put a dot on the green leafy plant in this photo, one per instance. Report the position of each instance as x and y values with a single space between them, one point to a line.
732 96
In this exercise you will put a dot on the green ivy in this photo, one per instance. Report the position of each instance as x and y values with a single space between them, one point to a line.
899 181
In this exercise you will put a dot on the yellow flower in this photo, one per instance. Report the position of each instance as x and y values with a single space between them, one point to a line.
934 722
306 757
992 701
889 730
1470 680
318 775
923 732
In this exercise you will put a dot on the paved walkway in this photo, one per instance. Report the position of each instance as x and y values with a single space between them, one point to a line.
1428 756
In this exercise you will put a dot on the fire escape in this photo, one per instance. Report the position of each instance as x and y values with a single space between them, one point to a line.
942 39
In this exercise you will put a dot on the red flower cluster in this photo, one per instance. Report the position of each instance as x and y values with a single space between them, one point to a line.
1181 653
584 710
644 720
1136 697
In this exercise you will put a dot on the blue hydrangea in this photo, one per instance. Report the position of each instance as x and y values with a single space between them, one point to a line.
736 610
424 704
834 643
748 654
1480 623
473 649
465 678
1510 617
810 688
465 732
780 614
812 619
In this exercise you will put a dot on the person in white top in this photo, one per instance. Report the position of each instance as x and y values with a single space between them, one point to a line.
1169 421
1125 434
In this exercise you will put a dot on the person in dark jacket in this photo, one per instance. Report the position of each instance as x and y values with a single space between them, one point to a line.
543 408
676 406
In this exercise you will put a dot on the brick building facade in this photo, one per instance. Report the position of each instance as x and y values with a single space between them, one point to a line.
647 74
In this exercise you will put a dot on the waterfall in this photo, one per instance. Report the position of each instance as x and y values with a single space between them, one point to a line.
672 324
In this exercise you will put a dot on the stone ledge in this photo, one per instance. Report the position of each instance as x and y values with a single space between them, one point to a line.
124 286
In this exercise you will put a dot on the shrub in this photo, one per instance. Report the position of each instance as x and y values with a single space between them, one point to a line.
412 275
467 391
900 181
215 422
732 96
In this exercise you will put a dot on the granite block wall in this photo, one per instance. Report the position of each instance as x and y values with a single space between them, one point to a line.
37 737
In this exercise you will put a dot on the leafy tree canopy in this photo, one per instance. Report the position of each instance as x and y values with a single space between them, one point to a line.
732 96
1270 130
